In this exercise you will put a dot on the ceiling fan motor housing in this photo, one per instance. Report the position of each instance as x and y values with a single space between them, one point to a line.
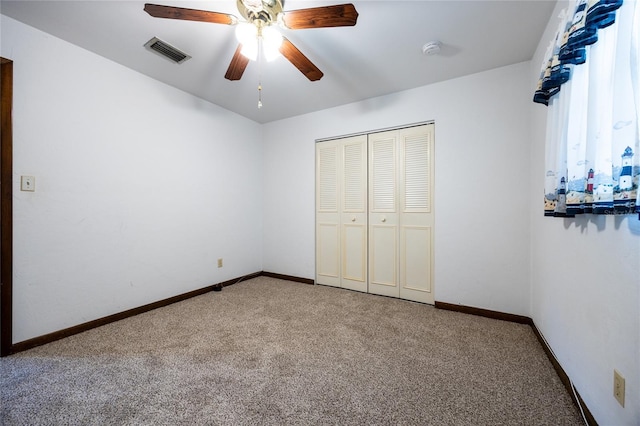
260 12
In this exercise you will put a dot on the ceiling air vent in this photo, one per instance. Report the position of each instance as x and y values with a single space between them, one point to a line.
166 50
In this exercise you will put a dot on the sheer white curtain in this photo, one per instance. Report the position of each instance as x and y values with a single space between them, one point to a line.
590 83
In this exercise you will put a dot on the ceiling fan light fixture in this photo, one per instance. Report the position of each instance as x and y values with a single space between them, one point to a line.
247 35
271 42
253 37
250 50
245 32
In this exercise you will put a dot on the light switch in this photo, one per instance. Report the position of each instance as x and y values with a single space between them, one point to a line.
27 183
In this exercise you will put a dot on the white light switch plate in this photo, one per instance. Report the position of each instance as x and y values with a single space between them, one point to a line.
27 183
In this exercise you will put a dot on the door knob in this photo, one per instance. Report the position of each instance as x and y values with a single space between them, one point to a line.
353 219
384 219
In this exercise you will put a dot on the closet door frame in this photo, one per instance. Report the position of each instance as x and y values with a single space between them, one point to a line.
383 224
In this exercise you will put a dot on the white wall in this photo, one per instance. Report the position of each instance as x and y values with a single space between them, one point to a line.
481 177
139 187
585 286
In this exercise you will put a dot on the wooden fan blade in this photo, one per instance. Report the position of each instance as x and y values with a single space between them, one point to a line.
159 11
237 66
300 61
340 15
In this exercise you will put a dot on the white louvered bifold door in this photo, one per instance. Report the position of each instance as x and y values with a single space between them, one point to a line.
327 214
374 213
341 213
416 213
383 214
354 213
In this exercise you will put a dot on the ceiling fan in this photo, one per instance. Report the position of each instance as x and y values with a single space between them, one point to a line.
261 18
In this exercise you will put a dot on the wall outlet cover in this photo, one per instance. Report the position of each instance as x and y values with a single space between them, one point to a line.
27 183
618 387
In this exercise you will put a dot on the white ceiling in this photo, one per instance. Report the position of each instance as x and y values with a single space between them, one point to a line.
382 54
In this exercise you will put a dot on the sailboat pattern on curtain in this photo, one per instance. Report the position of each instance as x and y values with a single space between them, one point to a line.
590 82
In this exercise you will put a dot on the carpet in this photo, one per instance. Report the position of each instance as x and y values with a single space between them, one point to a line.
273 352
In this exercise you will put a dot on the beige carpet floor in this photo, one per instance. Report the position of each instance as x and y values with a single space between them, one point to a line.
272 352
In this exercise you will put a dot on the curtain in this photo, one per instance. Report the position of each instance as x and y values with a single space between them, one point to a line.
590 83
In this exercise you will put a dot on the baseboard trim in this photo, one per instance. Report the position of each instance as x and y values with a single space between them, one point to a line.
61 334
288 277
520 319
564 378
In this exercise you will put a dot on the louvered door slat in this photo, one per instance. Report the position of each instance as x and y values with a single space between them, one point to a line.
416 174
384 175
354 185
328 185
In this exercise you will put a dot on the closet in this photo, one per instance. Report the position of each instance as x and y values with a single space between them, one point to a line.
374 213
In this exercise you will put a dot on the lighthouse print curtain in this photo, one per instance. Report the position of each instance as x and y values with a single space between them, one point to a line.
590 82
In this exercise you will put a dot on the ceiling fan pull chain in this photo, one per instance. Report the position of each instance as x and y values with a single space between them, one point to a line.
259 69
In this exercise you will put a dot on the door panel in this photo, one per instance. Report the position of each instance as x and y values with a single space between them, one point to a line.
327 215
416 247
354 261
6 207
354 216
341 205
383 214
383 260
416 217
328 254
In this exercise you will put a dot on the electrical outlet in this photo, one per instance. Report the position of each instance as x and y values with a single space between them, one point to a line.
220 263
618 387
27 183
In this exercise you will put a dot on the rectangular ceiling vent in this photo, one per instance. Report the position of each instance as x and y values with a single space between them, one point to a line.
165 49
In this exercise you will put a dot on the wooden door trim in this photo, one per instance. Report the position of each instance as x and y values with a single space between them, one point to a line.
6 208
